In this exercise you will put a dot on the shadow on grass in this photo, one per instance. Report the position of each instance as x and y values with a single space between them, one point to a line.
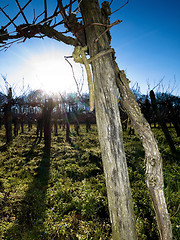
31 212
5 146
30 154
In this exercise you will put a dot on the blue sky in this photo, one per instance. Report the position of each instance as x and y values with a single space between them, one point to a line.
147 45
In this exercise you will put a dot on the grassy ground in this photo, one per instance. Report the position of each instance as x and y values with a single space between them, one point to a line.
63 195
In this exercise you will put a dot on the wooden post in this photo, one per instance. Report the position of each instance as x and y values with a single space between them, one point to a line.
109 125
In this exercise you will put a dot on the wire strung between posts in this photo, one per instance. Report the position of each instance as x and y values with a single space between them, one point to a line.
66 58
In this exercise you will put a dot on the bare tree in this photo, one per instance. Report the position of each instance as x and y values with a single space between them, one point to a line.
92 37
8 116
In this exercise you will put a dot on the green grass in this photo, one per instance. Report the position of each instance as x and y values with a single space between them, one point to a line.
63 195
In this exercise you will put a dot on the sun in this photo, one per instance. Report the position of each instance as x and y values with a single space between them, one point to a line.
50 72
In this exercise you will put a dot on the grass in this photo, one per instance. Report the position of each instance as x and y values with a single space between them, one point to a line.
63 195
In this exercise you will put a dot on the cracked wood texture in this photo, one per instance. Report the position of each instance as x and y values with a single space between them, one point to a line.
109 126
154 175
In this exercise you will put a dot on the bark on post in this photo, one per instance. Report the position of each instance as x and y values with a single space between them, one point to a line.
161 122
109 126
153 160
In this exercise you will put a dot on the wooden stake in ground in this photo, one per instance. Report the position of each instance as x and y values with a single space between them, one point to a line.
109 126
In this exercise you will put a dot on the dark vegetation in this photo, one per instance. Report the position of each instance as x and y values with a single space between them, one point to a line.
61 193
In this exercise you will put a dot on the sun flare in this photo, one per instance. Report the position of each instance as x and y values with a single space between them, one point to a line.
50 72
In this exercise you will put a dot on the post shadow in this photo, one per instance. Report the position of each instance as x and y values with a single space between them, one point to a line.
30 154
31 212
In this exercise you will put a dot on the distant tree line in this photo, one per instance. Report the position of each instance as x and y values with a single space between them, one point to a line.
46 112
51 112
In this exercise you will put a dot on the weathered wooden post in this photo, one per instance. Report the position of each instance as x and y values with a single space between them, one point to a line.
108 122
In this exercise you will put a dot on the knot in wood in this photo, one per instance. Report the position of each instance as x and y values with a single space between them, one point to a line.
153 162
77 53
152 181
